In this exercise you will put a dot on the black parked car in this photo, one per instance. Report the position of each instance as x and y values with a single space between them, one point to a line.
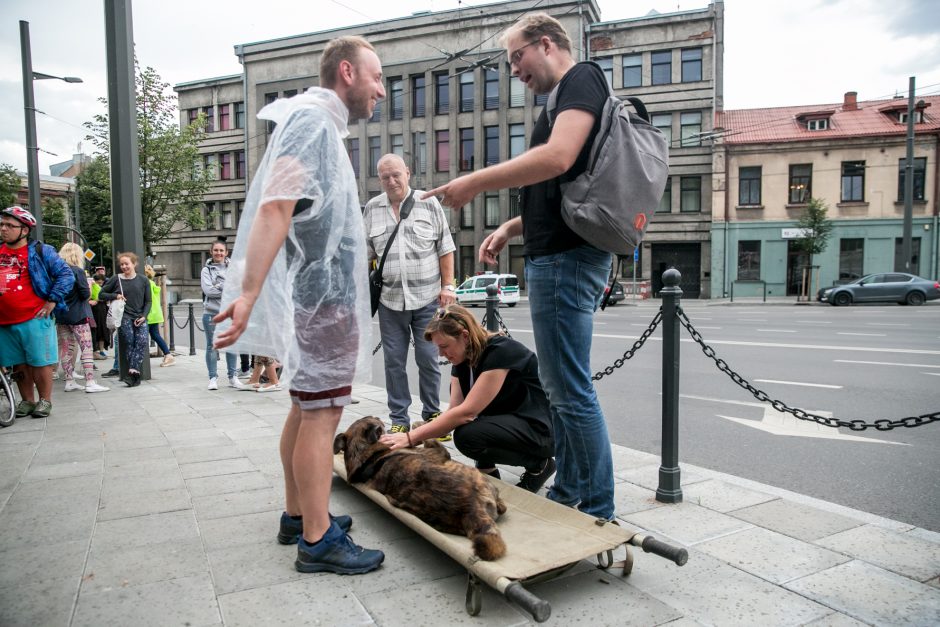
616 293
891 287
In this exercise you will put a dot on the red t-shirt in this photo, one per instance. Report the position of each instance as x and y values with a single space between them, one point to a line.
18 301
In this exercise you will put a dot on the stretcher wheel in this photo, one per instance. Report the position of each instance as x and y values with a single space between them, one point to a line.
605 560
474 601
627 562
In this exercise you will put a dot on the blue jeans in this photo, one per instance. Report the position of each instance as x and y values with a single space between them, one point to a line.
397 329
564 292
212 355
156 337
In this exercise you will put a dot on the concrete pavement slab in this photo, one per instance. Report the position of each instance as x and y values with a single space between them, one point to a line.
39 562
240 530
120 458
901 553
408 561
194 454
834 620
136 442
41 472
796 520
222 484
28 604
721 496
188 600
629 498
129 533
132 503
317 600
647 476
256 565
27 528
112 568
687 523
217 467
236 503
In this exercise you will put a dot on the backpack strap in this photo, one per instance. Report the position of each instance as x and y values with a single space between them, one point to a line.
640 108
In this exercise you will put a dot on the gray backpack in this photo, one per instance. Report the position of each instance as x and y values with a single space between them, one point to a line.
610 204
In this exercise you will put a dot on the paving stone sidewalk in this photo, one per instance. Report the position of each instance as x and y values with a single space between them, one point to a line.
159 505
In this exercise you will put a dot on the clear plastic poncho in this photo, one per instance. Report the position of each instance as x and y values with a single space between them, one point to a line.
313 312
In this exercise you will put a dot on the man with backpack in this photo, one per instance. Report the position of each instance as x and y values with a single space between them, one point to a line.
565 276
34 282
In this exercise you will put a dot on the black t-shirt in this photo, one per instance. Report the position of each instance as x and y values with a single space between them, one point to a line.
521 393
582 87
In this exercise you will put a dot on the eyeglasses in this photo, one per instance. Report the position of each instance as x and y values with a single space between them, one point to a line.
516 57
11 225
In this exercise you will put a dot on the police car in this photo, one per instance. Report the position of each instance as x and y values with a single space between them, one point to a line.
473 290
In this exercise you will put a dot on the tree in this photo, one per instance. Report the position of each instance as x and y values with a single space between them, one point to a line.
171 186
816 229
9 185
53 214
94 206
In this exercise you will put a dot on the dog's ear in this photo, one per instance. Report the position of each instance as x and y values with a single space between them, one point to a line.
339 443
374 432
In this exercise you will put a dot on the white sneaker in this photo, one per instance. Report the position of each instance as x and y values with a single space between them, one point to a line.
71 386
235 383
93 387
213 383
269 388
168 360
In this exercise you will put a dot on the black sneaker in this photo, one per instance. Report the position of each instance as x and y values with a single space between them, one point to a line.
132 380
336 553
111 373
292 529
532 481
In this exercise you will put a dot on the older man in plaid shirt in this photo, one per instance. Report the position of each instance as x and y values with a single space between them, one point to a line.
418 277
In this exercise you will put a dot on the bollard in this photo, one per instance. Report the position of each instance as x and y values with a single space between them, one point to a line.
172 327
191 321
669 490
492 305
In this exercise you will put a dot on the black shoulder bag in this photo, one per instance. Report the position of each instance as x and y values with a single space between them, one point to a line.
375 277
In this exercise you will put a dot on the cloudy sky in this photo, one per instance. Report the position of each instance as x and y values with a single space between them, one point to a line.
777 52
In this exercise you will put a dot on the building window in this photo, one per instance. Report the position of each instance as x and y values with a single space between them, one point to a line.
515 202
632 70
224 120
690 128
209 112
441 94
516 92
192 115
209 164
540 100
467 255
899 256
240 164
749 185
920 177
239 209
663 121
466 91
376 113
691 65
607 67
375 153
466 216
851 255
749 260
239 114
396 96
354 154
195 265
226 216
442 147
419 150
490 89
466 149
819 124
490 145
417 96
801 183
225 166
491 210
690 199
397 145
516 140
853 181
918 117
665 203
209 216
290 93
662 67
268 99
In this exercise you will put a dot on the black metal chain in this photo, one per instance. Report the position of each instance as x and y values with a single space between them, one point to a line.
632 351
499 320
854 425
177 325
442 362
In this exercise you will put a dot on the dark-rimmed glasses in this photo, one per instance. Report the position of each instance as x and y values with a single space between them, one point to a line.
516 56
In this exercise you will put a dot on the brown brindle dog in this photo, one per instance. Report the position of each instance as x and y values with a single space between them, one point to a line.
426 482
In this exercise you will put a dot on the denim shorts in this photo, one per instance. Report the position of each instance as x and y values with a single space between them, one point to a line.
33 342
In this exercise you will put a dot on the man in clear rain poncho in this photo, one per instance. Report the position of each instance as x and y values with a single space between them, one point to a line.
296 288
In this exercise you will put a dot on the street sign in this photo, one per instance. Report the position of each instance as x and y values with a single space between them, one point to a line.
89 254
636 254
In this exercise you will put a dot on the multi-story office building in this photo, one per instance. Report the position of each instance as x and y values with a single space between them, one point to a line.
453 107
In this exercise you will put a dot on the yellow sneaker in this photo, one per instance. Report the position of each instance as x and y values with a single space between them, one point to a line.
444 438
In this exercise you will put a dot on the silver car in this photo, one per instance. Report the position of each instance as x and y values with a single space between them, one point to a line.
889 287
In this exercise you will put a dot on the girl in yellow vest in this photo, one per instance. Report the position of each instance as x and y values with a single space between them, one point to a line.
155 319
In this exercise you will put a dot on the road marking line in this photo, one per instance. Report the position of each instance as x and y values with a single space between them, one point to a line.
863 334
712 328
886 324
884 363
814 321
719 400
780 423
809 385
752 319
936 374
777 330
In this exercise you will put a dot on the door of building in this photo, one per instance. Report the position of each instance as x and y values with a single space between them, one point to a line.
686 258
796 261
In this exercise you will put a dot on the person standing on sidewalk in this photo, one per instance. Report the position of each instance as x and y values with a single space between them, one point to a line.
418 277
155 319
565 276
298 290
134 290
213 281
34 281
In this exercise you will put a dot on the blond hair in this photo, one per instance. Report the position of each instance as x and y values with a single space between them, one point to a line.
339 50
73 254
148 270
134 258
534 26
452 320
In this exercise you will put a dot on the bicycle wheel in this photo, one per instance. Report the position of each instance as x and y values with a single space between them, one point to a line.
7 402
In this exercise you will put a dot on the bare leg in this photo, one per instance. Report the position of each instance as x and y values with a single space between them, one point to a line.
288 440
313 468
25 382
42 377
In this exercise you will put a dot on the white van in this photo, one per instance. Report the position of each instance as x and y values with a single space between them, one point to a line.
473 290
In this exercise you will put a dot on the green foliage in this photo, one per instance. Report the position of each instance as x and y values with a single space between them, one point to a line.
53 213
171 189
94 203
9 185
813 220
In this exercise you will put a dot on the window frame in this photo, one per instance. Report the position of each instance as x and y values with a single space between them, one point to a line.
491 212
466 147
607 67
749 185
239 114
796 180
695 191
396 98
466 85
441 93
352 149
418 91
853 173
691 63
657 66
693 139
633 68
375 153
490 89
749 260
442 148
920 179
665 203
490 145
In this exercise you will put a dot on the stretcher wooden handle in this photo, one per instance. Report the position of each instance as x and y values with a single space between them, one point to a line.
649 544
540 609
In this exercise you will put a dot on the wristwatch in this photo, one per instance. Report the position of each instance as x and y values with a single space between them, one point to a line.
449 288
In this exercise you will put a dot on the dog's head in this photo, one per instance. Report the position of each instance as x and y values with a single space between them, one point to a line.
359 443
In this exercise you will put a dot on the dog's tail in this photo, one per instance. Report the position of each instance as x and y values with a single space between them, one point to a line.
488 542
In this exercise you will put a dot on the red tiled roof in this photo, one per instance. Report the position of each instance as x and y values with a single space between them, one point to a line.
782 124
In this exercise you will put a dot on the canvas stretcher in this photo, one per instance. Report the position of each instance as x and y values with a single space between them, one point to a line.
530 524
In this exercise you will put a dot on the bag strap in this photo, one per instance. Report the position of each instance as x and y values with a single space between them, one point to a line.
606 300
402 214
640 108
120 285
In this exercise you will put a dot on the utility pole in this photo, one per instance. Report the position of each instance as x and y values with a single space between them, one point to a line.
32 149
908 180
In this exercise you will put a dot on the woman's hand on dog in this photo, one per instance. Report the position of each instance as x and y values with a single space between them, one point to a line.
395 441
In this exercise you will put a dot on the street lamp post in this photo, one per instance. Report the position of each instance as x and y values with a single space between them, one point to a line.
32 147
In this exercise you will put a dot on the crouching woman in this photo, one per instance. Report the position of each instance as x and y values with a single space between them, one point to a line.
498 409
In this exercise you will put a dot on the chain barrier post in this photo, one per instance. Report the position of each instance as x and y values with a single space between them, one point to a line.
492 305
669 490
191 321
169 307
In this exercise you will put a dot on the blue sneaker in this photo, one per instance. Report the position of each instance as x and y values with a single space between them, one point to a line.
291 529
336 553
